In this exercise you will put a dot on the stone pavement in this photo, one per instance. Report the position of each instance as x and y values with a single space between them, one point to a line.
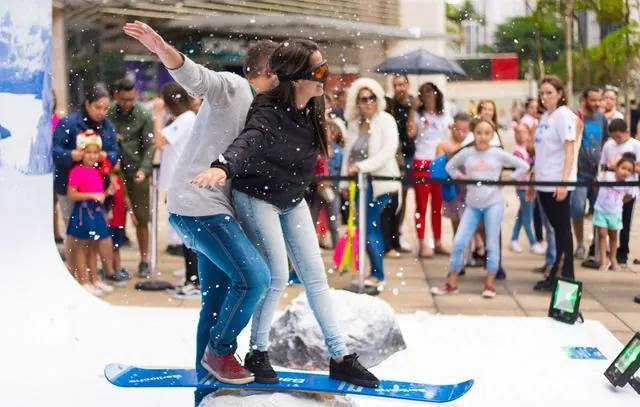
608 297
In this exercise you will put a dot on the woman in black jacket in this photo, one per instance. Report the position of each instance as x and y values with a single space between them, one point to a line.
272 163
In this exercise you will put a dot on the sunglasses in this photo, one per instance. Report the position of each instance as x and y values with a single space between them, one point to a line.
317 73
368 99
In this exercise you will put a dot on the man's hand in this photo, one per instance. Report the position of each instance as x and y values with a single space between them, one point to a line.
139 178
147 36
76 155
210 178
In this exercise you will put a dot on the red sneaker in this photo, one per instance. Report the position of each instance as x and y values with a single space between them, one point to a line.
226 368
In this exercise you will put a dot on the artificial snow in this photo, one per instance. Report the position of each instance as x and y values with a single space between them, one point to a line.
367 323
268 399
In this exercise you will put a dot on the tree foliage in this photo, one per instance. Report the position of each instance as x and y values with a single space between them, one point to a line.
517 35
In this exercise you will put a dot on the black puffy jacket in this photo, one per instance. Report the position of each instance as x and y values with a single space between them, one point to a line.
274 157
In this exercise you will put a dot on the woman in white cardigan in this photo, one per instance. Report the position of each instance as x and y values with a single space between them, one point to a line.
372 142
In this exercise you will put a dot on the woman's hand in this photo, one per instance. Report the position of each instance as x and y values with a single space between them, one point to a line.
530 194
460 177
210 178
353 169
160 142
158 106
560 193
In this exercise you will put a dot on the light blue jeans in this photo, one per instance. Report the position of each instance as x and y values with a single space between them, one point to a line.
277 233
524 219
550 255
471 218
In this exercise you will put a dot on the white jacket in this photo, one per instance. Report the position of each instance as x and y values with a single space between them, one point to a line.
383 140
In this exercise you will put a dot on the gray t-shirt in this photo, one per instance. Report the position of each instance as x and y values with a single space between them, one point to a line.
221 118
487 166
360 150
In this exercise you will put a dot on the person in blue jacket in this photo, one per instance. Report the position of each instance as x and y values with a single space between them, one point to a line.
91 115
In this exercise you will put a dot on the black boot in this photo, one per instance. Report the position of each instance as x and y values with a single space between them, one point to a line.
258 363
351 371
546 284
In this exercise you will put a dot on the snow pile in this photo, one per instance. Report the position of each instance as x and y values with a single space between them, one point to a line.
267 399
368 324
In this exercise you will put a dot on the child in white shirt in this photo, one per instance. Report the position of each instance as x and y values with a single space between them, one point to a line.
607 216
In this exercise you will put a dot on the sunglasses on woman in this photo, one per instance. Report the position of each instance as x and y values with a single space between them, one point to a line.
317 73
368 99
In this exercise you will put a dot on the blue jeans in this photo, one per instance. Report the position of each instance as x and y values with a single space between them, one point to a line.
374 236
525 218
277 233
471 218
550 255
233 278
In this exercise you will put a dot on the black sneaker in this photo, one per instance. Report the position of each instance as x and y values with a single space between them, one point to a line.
545 285
257 362
462 272
143 270
542 270
591 263
116 279
501 274
351 371
637 299
174 250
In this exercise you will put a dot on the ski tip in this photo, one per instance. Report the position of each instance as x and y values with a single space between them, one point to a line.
114 370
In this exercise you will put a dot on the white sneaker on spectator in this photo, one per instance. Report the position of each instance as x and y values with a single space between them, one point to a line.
180 273
515 246
405 245
93 290
187 292
102 286
537 248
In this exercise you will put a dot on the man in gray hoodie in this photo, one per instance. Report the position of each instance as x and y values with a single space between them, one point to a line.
232 273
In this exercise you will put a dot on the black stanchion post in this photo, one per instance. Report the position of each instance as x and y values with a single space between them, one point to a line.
153 284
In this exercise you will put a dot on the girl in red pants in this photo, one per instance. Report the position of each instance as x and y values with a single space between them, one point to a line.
431 127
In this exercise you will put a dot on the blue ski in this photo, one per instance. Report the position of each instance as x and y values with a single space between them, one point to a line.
132 376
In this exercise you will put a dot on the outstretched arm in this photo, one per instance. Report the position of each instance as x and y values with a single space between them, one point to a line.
199 81
148 37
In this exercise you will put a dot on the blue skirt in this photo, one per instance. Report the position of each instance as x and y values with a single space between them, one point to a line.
88 221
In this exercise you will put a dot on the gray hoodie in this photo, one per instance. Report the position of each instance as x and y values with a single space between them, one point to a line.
220 120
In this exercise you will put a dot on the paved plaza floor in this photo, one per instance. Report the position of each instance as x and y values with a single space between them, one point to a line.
608 297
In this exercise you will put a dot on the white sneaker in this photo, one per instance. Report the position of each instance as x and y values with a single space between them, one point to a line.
187 292
405 245
537 248
515 246
92 289
180 273
489 292
102 286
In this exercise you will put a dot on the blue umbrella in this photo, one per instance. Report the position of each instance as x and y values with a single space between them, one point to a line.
421 62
